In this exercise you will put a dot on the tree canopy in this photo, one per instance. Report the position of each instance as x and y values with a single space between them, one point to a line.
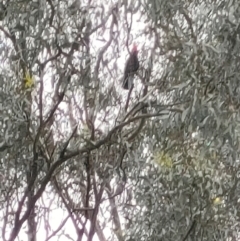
83 159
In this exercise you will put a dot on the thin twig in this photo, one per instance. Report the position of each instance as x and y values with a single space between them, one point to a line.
190 228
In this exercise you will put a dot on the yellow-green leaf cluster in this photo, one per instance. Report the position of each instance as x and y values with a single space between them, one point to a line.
28 80
163 159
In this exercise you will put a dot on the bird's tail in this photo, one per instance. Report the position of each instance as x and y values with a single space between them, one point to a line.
128 82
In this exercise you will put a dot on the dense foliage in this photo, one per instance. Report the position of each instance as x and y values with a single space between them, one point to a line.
83 159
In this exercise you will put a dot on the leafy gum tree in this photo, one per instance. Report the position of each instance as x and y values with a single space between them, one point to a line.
157 162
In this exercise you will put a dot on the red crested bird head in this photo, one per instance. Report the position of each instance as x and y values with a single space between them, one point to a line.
134 49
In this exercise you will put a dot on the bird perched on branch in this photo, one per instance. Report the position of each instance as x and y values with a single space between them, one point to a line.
131 67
